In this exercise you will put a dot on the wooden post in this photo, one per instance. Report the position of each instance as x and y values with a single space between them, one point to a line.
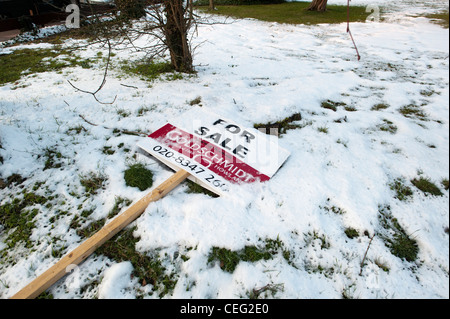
57 271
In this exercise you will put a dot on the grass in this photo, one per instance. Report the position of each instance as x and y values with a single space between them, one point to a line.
441 18
380 106
92 182
351 233
17 217
148 70
395 237
331 105
402 191
229 259
322 129
52 158
445 183
279 127
413 111
294 13
387 126
194 188
426 186
333 208
314 238
30 61
138 176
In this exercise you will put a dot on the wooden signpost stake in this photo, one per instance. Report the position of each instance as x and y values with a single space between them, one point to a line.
56 272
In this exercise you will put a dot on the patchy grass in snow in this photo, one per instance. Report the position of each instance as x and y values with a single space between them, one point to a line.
92 182
294 13
194 188
395 237
25 62
331 105
413 111
402 191
445 183
441 18
427 186
387 126
229 259
280 127
351 233
149 70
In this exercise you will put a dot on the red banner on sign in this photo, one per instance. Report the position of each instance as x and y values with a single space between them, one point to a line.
208 155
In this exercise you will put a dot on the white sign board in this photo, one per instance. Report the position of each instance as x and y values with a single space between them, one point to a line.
216 151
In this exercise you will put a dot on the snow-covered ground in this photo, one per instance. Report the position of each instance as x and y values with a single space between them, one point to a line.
253 72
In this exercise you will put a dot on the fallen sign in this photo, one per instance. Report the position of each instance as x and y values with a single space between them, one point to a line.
216 151
204 147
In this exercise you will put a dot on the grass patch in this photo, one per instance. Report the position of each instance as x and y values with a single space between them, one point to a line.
402 192
333 209
89 230
441 18
138 176
194 188
294 13
331 105
445 183
229 259
147 70
351 233
196 101
280 127
17 218
95 226
413 111
92 182
12 180
395 237
322 129
379 106
52 158
426 186
387 126
30 61
314 238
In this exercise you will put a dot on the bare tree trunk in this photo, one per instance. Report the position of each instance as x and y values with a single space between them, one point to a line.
318 5
211 5
176 34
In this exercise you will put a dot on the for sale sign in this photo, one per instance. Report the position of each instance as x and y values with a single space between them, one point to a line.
215 150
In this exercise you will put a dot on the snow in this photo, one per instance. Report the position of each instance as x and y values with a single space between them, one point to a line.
253 72
116 281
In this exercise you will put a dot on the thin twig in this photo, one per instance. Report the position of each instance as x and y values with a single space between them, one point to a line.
129 86
103 81
365 254
87 120
109 128
348 29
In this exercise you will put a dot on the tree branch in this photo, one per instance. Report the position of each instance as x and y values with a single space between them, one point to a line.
103 81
